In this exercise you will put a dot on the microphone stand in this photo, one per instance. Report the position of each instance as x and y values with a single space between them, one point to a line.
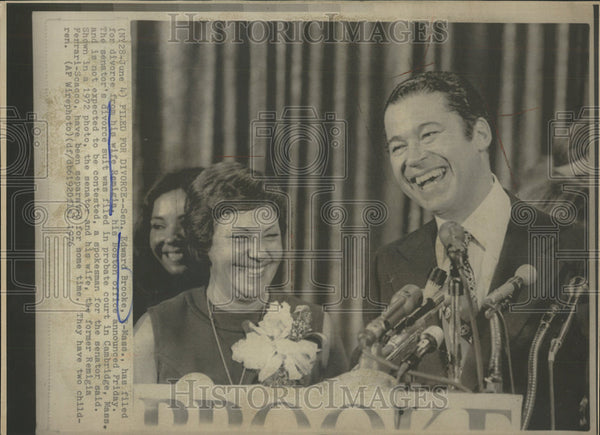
494 382
456 290
457 275
557 342
476 341
532 370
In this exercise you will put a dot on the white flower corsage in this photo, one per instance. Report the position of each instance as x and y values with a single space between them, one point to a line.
276 347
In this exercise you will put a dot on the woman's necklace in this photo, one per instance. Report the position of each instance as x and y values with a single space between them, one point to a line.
214 328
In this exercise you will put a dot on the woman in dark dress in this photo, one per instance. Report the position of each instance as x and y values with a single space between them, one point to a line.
161 261
233 330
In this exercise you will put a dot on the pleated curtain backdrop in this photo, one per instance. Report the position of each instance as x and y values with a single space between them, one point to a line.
195 104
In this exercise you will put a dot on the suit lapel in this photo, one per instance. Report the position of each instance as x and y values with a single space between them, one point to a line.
514 253
419 251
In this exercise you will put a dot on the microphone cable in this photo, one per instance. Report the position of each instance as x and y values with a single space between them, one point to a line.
507 350
552 404
581 286
494 378
497 310
532 369
365 351
448 381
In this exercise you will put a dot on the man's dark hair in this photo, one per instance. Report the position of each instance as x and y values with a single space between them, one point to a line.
461 96
224 187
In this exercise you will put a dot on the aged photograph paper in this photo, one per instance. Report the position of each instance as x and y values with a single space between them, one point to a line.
300 217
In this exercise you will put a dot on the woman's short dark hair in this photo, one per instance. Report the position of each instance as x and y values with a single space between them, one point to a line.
223 187
461 96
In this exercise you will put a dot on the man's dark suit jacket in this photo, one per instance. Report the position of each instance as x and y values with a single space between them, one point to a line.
410 260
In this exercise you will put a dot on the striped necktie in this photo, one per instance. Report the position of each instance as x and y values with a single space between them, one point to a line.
468 271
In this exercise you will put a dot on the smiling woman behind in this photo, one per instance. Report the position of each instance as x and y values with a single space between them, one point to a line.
161 261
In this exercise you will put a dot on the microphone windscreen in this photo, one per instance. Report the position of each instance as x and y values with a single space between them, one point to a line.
436 333
434 283
452 235
404 302
438 276
527 273
406 292
576 287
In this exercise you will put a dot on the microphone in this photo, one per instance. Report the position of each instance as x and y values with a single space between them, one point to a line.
581 287
399 343
403 303
525 275
432 298
452 236
412 326
430 340
434 283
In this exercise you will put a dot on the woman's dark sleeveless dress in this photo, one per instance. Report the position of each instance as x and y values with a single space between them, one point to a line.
184 341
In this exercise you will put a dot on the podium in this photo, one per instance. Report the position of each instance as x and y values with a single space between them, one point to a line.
360 401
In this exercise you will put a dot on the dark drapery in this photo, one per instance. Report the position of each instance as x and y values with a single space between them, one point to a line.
195 104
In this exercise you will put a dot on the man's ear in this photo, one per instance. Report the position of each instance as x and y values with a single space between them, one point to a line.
482 134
